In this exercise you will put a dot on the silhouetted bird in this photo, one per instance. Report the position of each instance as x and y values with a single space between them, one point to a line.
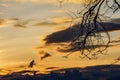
45 56
31 64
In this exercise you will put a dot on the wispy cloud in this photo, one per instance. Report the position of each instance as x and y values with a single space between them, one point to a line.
46 1
15 22
4 5
22 23
46 24
4 22
61 19
54 21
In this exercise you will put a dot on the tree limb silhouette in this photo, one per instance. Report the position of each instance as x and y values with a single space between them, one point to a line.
92 19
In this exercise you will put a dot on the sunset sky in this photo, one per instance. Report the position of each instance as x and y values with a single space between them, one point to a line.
25 23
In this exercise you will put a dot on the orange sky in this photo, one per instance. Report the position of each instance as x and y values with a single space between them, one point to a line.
23 25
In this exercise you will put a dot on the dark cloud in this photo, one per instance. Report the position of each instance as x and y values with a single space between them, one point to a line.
72 32
117 21
111 26
51 68
63 35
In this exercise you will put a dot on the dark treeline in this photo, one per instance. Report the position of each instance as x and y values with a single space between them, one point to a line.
105 72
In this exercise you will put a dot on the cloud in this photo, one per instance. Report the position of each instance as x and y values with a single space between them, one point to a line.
48 1
116 21
14 19
46 24
72 32
61 19
111 26
15 22
32 1
54 21
60 39
48 68
6 22
21 66
20 23
4 5
62 36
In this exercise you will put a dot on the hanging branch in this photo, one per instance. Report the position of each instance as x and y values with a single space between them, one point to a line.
89 40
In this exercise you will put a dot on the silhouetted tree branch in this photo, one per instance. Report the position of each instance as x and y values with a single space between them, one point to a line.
92 20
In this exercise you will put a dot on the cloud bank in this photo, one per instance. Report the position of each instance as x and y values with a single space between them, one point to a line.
72 32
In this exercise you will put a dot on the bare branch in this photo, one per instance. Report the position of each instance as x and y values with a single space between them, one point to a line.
88 37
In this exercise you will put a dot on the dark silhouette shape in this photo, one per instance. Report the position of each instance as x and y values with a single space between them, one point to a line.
31 64
71 33
101 72
89 28
45 56
67 75
54 76
72 75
